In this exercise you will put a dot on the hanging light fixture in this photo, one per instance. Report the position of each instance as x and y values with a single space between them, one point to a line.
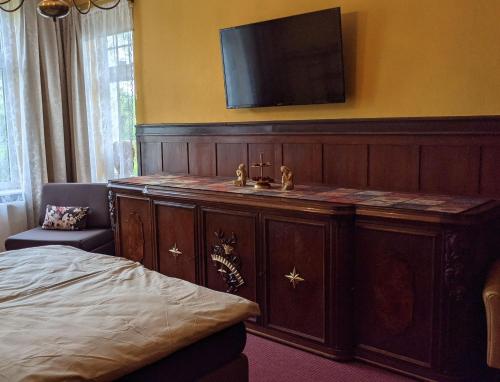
57 9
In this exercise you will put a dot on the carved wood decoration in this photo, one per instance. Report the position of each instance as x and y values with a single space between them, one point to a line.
112 208
227 262
135 239
454 272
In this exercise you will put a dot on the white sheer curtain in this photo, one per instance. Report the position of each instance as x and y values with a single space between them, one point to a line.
31 114
66 105
109 87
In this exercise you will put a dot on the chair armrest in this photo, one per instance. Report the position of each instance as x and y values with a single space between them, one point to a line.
491 298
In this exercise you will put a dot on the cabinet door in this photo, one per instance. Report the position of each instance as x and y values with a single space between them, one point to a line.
175 240
296 252
230 256
134 229
395 289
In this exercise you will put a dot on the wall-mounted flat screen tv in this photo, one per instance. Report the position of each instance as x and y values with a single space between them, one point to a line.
294 60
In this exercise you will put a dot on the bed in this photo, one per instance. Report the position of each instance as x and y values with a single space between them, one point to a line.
70 315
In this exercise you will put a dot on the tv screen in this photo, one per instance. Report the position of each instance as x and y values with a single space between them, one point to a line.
294 60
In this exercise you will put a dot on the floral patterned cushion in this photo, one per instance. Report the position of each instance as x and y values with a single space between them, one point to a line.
65 218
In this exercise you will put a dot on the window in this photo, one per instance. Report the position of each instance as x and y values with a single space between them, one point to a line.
109 92
121 87
5 175
9 179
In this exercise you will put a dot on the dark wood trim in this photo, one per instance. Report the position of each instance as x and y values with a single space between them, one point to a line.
438 155
415 125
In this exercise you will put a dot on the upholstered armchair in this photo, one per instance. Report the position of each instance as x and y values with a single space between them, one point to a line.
491 297
96 237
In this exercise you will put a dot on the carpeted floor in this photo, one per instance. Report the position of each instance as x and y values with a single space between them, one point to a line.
273 362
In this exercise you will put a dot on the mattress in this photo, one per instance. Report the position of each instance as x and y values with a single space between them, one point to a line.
195 360
70 315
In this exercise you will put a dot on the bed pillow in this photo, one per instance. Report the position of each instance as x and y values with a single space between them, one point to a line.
65 218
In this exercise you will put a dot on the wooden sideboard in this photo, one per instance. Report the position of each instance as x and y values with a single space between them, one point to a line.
393 279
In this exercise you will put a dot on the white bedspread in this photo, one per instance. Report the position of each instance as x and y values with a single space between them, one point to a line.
70 315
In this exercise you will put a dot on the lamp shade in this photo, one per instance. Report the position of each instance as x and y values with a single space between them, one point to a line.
54 9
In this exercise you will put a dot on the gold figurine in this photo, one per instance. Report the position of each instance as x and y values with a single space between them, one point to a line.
286 178
241 173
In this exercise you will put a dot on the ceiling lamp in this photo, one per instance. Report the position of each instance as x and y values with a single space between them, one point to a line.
57 9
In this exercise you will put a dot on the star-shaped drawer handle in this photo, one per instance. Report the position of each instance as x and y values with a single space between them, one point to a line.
175 251
294 277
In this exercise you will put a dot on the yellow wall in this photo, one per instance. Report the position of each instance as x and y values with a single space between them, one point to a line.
402 58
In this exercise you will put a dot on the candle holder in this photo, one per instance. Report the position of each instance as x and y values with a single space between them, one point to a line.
262 182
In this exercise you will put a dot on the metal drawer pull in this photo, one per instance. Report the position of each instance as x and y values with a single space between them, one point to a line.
175 251
294 277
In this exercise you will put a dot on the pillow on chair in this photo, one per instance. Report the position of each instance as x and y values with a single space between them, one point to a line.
65 218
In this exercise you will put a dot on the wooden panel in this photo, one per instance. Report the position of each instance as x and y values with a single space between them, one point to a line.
394 163
305 160
346 165
175 158
271 153
299 244
151 158
229 156
134 230
394 293
393 167
202 159
175 240
449 169
242 224
490 171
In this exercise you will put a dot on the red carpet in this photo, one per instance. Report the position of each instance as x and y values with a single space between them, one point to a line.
273 362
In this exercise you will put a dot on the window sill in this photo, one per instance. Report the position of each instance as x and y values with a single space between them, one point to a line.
9 196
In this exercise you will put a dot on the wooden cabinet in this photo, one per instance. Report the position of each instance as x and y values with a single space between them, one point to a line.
283 256
396 285
418 303
134 229
175 238
238 227
296 255
392 286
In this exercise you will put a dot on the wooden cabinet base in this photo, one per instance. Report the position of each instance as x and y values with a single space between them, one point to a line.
340 355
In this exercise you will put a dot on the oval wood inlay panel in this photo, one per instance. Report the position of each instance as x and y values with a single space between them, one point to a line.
135 239
393 293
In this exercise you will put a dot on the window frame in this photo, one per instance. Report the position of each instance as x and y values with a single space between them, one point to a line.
12 186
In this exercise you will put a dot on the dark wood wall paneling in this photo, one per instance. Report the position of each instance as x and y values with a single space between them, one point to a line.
433 155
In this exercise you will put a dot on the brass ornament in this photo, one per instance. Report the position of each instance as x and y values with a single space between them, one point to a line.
262 182
54 9
175 251
286 178
294 277
228 264
241 174
57 9
10 9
